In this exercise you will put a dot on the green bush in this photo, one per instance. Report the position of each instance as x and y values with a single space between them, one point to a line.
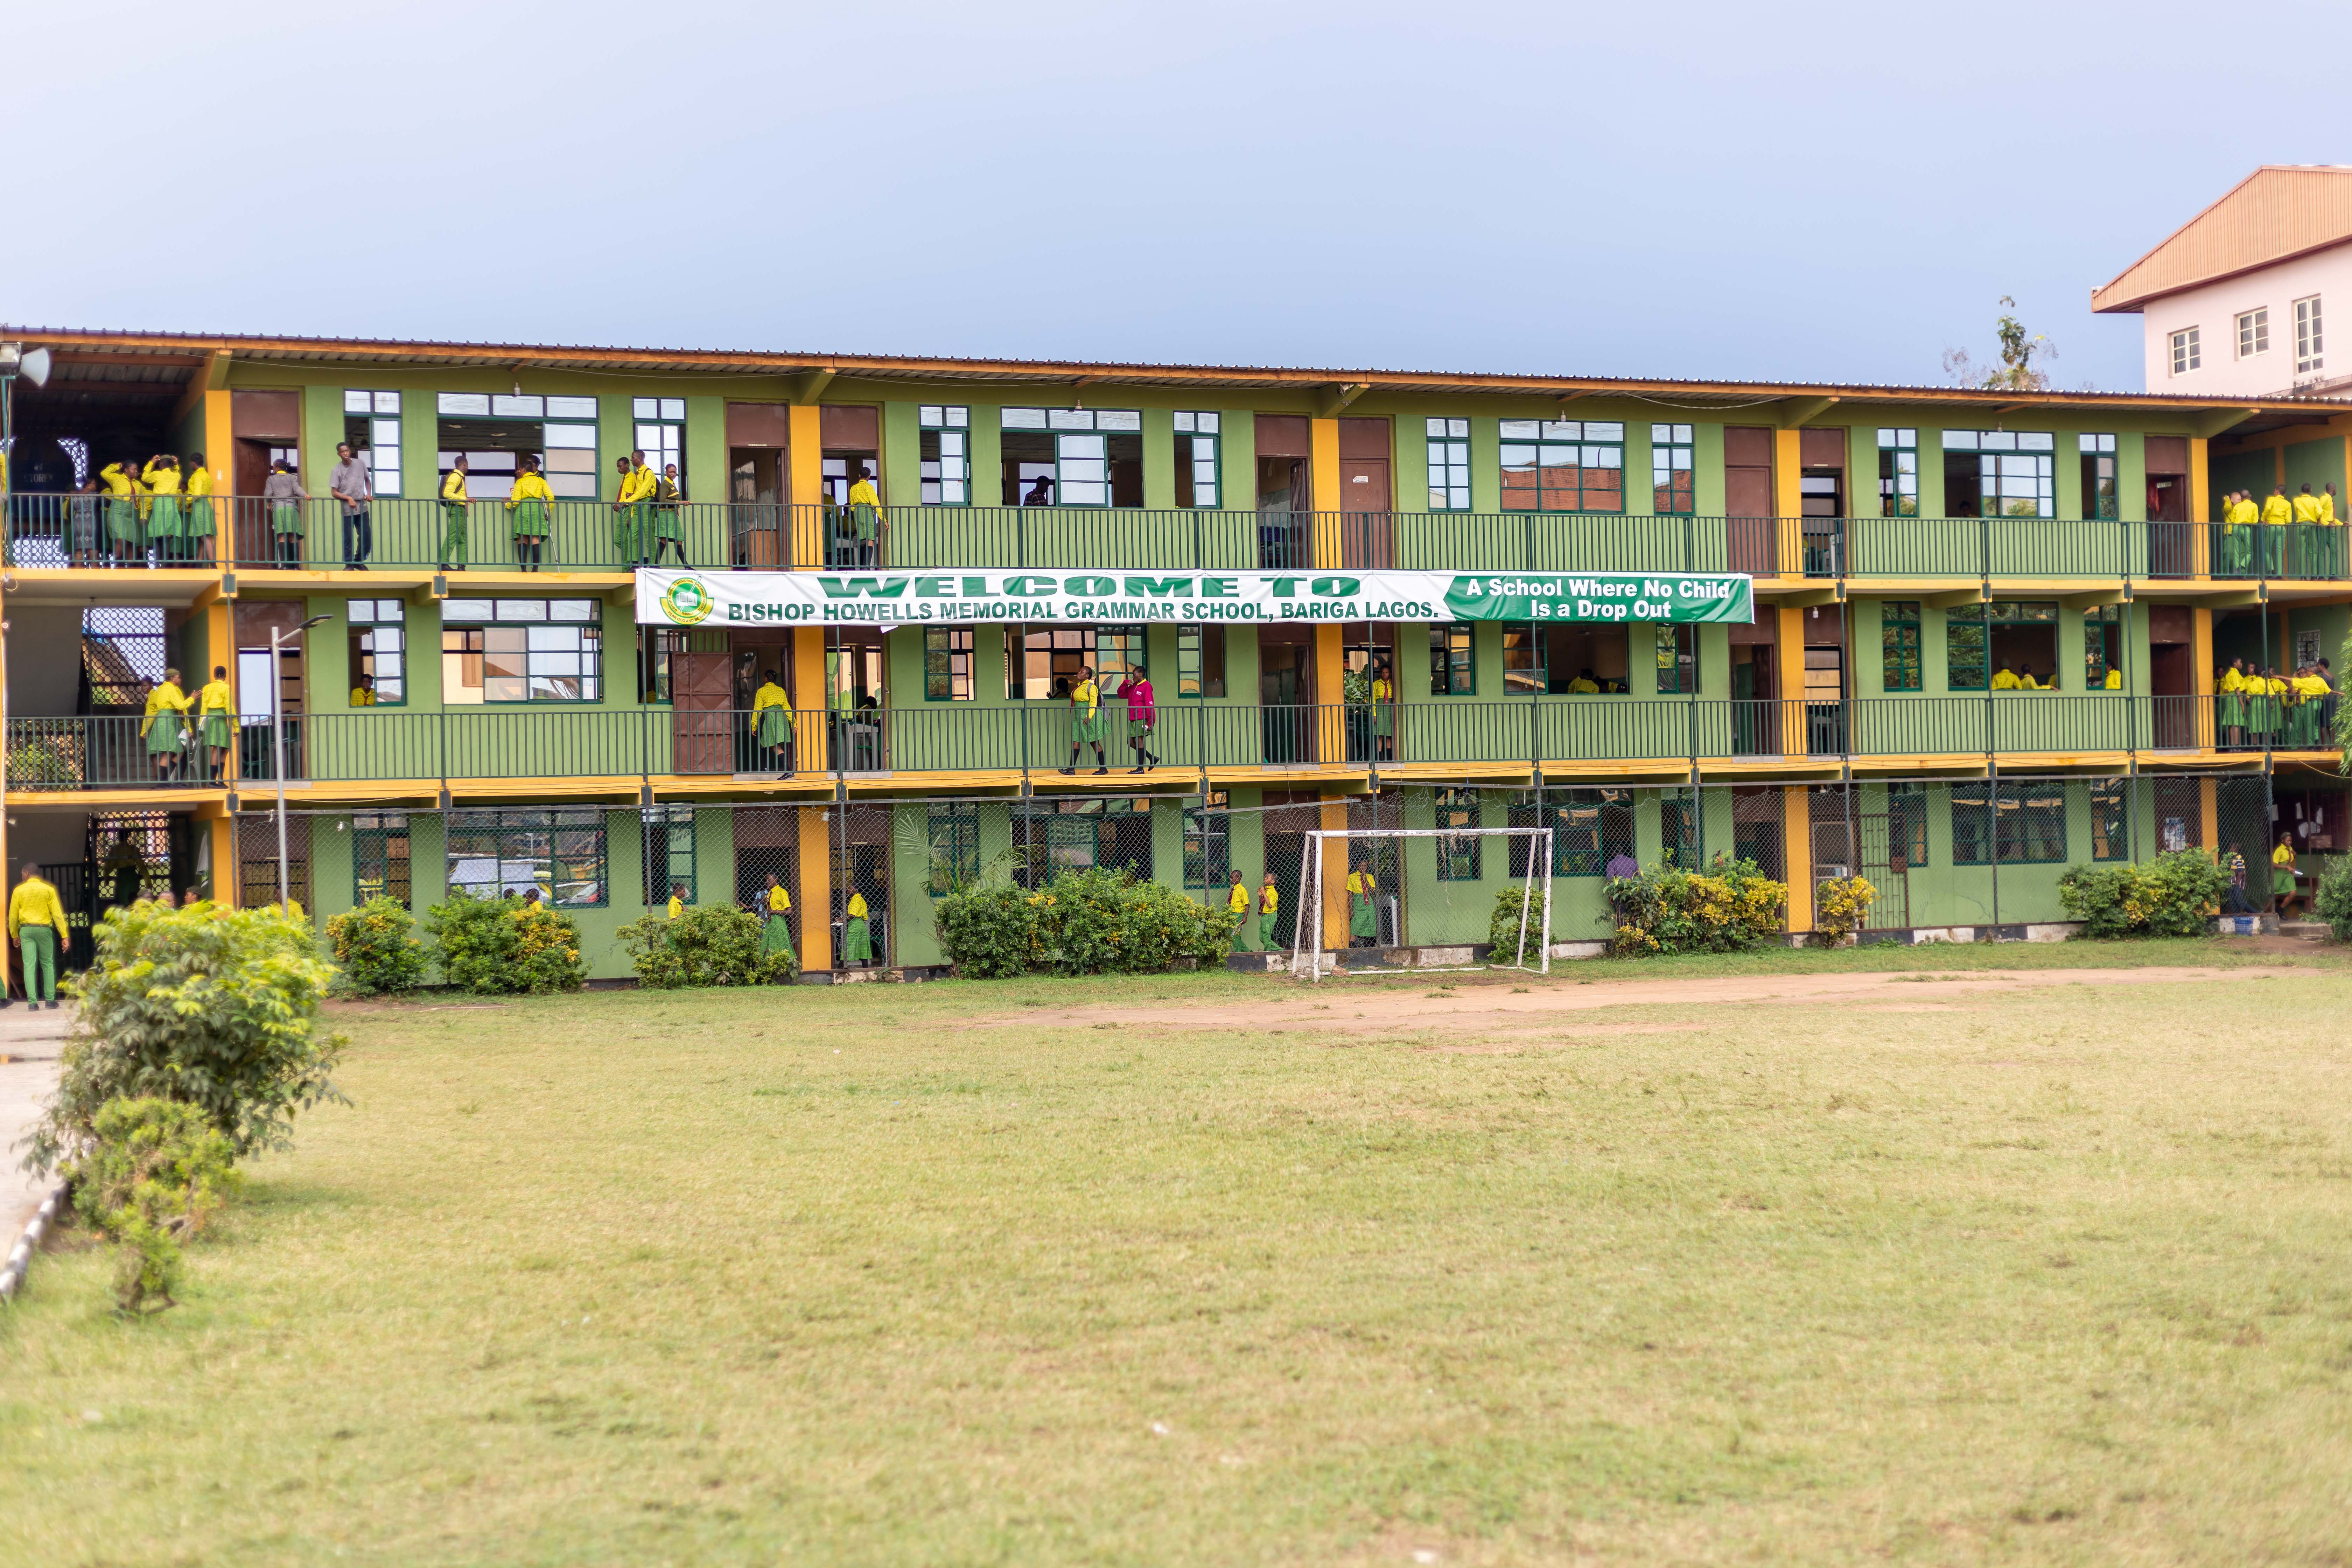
715 945
2176 894
377 949
504 946
1093 923
1729 907
1503 925
208 1006
2332 900
154 1172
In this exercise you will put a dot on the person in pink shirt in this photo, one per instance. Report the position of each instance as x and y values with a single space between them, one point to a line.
1140 718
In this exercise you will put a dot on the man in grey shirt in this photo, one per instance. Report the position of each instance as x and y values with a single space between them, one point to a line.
348 484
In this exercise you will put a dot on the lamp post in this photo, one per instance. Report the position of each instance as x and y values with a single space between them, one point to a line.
277 640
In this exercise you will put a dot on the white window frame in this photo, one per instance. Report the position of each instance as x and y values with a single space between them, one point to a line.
381 411
659 427
947 479
2310 342
2254 332
2186 355
1449 465
1197 444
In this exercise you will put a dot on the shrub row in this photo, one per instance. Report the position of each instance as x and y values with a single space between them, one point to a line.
1091 922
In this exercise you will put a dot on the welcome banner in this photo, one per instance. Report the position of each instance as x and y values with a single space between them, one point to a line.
871 597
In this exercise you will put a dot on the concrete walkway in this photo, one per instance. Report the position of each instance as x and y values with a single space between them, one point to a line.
29 1041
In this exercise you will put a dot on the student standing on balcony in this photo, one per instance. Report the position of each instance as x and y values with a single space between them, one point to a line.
1086 720
451 555
215 720
2006 679
1141 719
2277 513
864 518
776 936
282 493
2232 705
2307 530
81 526
36 925
772 723
527 506
1384 712
666 528
632 525
1237 899
2328 538
2242 520
350 483
165 524
161 727
200 527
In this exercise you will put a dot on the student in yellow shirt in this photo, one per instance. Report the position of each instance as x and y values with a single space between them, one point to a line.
668 524
451 555
1086 720
2278 513
163 726
1383 712
2283 874
528 505
2231 701
856 935
772 723
216 721
2241 521
2115 681
2306 526
776 936
363 694
122 512
1237 899
198 524
165 525
676 900
1584 684
865 519
1363 912
2006 679
2327 540
36 925
1269 905
632 509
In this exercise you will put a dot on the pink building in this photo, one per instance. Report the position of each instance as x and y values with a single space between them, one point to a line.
2236 300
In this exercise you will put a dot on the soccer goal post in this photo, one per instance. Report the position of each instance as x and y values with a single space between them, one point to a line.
1312 954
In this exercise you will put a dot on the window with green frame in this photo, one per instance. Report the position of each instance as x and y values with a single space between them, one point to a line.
1458 859
1677 655
1072 457
657 647
1981 638
561 852
379 650
945 454
947 664
1079 834
521 650
2111 819
380 857
1673 484
1197 477
1898 473
1523 659
954 862
2103 644
2102 489
1119 653
1906 823
1200 661
1449 465
1679 830
1898 646
1590 828
669 853
1208 845
1563 465
2001 473
2023 824
1451 672
660 426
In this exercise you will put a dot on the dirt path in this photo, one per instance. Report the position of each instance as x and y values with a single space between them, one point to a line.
1393 1001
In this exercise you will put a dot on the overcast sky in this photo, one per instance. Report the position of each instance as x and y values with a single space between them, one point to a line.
1825 193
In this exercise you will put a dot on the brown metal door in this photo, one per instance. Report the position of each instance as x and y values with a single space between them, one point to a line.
1367 540
1749 502
702 700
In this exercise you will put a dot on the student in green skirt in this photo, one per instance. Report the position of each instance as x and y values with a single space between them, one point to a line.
122 511
668 529
164 526
1086 720
1363 911
283 492
776 936
772 723
164 726
452 555
857 936
216 721
1237 899
196 524
1269 907
526 506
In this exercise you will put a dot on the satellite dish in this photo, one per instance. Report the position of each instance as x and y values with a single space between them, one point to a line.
35 367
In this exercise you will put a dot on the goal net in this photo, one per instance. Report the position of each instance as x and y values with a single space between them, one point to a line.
1385 888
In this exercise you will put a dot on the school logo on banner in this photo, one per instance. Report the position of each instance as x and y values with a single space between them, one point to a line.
687 602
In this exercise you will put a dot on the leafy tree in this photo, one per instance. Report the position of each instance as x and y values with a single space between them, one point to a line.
2018 349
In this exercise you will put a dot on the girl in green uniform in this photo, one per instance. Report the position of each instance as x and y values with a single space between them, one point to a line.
857 936
777 935
213 720
163 728
526 506
1269 906
1363 914
196 522
1086 720
1238 901
164 526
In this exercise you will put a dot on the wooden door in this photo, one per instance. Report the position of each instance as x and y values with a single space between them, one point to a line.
1748 500
702 719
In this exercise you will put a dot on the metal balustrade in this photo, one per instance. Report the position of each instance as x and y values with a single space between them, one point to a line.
414 533
458 745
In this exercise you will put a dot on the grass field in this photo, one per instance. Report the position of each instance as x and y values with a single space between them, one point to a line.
2022 1261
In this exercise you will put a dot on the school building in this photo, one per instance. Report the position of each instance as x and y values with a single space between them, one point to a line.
1986 642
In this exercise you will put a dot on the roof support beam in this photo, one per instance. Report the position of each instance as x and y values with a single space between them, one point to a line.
211 378
1955 597
1795 411
1333 399
804 388
2214 421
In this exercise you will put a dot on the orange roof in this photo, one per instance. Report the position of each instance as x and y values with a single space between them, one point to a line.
2281 210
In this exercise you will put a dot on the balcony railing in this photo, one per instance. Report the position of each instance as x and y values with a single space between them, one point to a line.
457 746
251 533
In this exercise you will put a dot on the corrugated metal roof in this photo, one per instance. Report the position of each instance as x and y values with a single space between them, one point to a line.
2281 210
164 347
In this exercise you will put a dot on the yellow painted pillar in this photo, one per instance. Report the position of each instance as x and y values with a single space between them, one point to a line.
2200 510
1330 683
804 457
2209 819
1323 489
1788 502
1788 674
1334 817
810 701
220 457
1797 849
222 829
2200 673
816 894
